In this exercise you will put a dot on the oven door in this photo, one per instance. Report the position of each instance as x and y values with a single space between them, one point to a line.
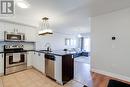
15 59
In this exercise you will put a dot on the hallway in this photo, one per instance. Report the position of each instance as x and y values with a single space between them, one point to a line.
82 72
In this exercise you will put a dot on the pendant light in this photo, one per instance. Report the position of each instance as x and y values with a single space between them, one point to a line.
45 27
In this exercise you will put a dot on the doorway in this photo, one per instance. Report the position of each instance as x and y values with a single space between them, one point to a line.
82 63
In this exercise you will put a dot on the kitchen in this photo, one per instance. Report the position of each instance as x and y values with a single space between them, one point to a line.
60 43
22 48
12 48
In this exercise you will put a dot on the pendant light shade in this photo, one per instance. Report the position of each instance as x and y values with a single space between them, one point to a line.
45 27
46 31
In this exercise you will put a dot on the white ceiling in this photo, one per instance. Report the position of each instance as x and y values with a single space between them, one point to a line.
71 15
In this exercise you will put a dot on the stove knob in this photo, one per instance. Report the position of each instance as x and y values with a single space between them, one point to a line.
7 47
21 46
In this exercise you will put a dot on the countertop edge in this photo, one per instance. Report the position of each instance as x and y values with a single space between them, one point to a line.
56 54
38 52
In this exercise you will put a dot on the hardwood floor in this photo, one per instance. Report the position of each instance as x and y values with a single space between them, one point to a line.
91 79
102 80
99 80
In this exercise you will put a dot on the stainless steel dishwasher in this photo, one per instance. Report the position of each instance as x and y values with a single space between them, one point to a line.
50 65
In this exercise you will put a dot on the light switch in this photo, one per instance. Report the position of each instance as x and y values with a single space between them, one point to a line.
113 38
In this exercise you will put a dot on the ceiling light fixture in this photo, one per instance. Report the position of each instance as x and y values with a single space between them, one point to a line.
22 4
45 27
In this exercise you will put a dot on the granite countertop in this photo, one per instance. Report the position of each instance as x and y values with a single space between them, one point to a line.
1 52
56 52
16 52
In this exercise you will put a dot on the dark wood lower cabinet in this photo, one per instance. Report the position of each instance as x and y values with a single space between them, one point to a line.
67 68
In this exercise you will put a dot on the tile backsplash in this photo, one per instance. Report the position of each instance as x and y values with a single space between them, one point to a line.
27 46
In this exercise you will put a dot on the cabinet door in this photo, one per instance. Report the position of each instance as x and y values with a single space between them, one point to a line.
58 69
67 68
1 34
34 61
43 57
1 63
42 63
30 58
39 62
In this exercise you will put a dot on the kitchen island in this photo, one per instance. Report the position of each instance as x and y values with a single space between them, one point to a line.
62 66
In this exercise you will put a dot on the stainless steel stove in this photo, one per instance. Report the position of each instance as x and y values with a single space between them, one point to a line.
15 59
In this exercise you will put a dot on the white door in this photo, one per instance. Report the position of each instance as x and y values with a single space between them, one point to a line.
1 64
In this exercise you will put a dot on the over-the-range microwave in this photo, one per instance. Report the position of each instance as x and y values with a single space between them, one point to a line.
14 36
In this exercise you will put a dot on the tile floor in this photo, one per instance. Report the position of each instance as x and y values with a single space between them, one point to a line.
32 78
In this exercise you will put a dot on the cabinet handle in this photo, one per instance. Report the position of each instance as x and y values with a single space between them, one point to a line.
2 55
39 54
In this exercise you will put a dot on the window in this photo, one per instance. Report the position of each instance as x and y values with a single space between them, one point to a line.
86 44
70 42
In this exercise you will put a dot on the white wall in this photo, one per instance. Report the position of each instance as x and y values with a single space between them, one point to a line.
57 41
111 57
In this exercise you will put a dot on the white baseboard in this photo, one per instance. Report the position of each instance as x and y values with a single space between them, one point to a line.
1 74
29 67
114 75
38 70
